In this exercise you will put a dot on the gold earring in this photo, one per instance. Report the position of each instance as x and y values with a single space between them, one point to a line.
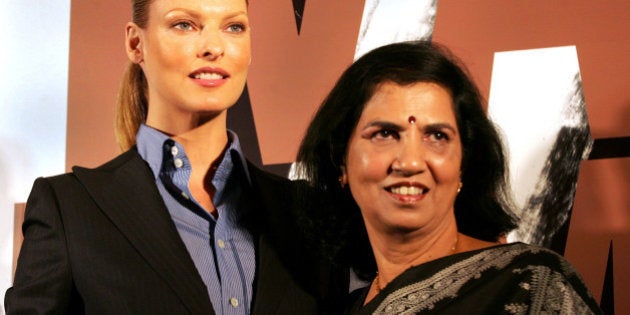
459 187
343 180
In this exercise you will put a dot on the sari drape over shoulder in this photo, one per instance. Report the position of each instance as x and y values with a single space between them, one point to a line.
506 279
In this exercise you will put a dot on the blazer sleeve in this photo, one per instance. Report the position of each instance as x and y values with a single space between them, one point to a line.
43 280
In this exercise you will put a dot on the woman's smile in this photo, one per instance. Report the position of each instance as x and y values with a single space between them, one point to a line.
407 192
210 76
402 172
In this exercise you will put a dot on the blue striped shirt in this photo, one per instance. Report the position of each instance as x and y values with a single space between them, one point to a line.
222 251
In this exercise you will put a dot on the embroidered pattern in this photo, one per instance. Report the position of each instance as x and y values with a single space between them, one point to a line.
445 284
548 290
550 293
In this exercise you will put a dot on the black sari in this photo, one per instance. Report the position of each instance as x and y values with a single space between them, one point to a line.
506 279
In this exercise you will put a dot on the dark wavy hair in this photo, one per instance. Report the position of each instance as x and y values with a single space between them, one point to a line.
482 208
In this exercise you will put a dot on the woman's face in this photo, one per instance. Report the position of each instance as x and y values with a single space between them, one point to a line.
403 159
195 55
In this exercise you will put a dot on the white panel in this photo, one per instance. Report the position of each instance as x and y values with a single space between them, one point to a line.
33 105
392 21
534 94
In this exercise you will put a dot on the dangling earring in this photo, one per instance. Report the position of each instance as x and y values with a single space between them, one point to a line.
459 187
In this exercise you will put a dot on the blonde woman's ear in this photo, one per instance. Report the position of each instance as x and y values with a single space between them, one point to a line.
133 43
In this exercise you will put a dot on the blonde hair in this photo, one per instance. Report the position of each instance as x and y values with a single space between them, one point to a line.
131 106
131 103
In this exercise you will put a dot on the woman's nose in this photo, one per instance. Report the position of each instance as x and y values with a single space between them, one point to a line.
410 159
211 45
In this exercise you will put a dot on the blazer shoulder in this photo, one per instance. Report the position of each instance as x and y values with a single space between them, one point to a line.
114 164
259 175
128 166
264 181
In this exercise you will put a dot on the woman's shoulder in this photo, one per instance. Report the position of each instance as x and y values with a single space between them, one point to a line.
518 253
74 177
518 257
550 273
271 183
115 163
528 259
539 255
259 174
80 175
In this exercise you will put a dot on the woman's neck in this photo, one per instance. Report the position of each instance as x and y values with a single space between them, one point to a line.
203 136
396 254
204 144
204 140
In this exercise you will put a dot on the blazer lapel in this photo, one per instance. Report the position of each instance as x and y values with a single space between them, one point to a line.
272 278
125 191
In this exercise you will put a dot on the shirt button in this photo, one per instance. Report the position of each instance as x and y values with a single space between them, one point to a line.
178 163
221 243
174 150
234 302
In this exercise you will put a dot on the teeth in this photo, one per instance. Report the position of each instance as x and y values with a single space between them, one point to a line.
208 76
406 190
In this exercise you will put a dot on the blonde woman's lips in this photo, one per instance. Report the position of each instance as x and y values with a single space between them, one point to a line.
209 76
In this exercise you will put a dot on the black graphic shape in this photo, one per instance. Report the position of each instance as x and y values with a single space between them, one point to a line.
606 148
240 119
298 10
607 302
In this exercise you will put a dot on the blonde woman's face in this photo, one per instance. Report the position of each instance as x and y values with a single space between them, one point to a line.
195 55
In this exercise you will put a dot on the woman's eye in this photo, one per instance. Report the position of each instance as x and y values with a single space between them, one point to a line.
437 136
184 26
236 28
385 134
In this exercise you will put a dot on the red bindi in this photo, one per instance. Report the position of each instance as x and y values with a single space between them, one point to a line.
412 120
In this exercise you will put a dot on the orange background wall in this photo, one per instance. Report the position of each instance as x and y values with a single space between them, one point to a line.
473 29
600 32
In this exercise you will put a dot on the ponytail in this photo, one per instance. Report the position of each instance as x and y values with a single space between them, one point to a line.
131 106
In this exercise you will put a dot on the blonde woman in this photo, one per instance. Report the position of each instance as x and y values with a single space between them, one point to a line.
180 223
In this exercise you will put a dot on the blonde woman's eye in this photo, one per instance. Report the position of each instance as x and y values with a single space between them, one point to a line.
236 28
184 26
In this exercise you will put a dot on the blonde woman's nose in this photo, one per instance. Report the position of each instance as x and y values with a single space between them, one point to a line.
211 45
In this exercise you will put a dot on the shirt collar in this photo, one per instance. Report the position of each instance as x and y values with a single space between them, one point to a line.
150 141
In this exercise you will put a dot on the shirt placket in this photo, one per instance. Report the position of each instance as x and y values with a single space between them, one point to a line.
233 297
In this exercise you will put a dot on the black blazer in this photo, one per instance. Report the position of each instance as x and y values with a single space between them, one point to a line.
101 241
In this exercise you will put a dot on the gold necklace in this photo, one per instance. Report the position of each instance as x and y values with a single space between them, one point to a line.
454 244
377 284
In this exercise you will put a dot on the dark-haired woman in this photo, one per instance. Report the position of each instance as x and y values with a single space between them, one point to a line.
415 176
